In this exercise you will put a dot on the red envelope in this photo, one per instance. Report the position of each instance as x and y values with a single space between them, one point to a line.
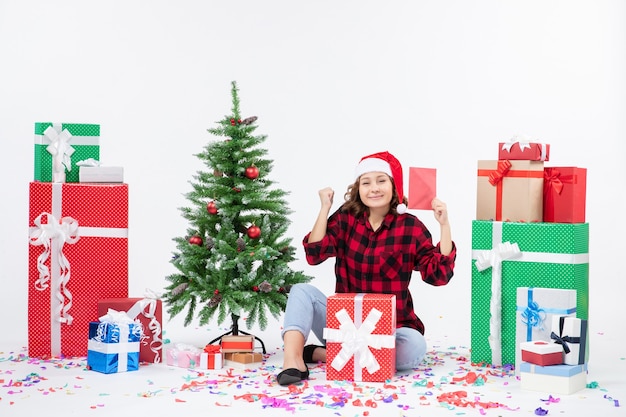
422 188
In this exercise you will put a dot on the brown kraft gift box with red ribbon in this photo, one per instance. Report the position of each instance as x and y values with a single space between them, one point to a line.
564 194
510 191
78 254
149 311
237 343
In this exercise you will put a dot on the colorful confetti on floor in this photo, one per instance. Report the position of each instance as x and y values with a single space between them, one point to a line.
447 384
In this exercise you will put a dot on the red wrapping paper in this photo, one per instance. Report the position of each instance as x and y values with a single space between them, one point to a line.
564 194
362 305
151 318
91 265
422 188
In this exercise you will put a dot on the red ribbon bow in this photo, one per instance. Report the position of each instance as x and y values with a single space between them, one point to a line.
497 175
212 348
552 180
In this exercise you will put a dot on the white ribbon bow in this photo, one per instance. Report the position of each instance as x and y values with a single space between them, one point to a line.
89 162
523 140
120 326
492 258
357 341
52 235
139 307
60 150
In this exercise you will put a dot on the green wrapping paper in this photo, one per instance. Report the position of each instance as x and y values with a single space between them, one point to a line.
508 255
84 141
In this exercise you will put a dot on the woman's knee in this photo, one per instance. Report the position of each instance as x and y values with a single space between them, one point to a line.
411 349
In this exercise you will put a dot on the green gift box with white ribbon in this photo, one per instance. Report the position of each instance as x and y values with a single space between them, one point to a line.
509 255
59 146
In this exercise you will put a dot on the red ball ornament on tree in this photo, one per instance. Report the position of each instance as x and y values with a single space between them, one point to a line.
195 240
252 172
216 291
255 288
254 232
211 207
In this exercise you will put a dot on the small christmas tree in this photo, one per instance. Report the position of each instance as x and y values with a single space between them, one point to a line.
235 257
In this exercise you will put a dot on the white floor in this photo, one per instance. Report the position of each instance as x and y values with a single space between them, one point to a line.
30 387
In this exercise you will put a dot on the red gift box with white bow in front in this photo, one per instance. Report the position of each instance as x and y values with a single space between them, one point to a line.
78 254
360 337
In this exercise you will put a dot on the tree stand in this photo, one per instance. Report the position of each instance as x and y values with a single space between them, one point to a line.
234 330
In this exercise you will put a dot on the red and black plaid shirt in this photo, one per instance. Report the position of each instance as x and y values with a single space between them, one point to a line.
382 261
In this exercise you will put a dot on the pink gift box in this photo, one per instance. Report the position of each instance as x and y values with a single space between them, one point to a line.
370 318
183 356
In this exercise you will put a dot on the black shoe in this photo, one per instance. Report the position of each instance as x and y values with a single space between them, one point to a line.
307 353
292 376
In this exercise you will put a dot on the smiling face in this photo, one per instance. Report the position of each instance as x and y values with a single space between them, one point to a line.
376 190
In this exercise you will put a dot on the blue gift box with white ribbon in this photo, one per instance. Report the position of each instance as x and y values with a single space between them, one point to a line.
559 379
113 347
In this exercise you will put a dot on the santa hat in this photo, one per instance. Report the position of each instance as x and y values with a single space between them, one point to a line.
387 163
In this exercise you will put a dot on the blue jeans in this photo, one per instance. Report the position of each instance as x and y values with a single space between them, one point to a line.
306 312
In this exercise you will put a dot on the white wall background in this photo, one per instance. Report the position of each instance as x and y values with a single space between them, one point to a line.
438 83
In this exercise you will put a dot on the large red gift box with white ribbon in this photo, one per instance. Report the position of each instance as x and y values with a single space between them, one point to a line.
360 337
149 311
78 254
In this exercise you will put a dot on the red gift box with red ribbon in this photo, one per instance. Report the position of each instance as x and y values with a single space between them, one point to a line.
520 150
564 194
149 311
78 254
510 191
360 337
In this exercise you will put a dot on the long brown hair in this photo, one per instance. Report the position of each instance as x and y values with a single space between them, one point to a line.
355 206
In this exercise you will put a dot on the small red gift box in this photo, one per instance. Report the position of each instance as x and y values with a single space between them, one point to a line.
542 353
510 191
78 254
564 194
528 151
239 343
369 319
149 311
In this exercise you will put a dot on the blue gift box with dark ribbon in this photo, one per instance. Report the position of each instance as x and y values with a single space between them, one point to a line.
113 346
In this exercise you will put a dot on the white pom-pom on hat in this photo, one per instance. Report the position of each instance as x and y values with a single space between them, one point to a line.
389 164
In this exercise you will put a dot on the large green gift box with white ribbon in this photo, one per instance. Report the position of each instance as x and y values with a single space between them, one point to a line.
509 255
67 143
